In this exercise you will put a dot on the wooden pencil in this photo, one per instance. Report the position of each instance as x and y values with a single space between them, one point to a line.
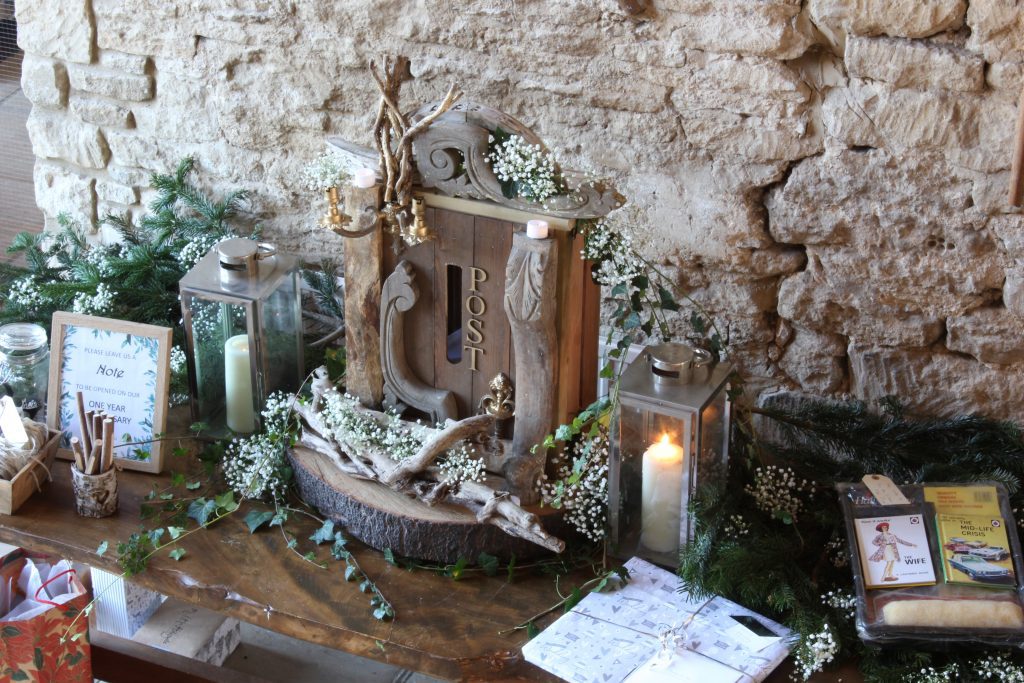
108 444
83 421
76 448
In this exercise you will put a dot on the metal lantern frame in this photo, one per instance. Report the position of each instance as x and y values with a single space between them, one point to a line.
249 284
684 400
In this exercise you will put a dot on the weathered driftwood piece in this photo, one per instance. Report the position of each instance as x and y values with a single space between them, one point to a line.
392 132
440 442
363 276
416 476
530 277
401 385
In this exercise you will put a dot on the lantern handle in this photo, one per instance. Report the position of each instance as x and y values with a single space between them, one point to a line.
265 250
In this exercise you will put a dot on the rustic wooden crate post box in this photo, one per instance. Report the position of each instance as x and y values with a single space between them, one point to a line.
472 297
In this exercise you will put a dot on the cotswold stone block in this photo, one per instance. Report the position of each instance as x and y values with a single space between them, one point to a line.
997 30
875 115
127 148
118 27
129 176
956 384
769 29
101 112
1013 290
122 61
44 81
56 136
1006 76
992 335
110 83
111 191
815 361
62 29
60 190
904 18
914 64
746 107
852 310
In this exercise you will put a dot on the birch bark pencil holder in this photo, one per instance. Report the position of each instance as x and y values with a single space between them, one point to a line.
95 494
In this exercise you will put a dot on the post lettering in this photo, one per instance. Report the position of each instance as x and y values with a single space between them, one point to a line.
473 350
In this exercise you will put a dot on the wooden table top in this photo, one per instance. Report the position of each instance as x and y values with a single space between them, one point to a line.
444 628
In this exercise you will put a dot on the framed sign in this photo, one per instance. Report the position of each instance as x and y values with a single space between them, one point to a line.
121 368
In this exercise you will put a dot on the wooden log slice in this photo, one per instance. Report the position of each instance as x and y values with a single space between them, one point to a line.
382 518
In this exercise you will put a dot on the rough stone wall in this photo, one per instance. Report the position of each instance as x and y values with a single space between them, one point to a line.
827 176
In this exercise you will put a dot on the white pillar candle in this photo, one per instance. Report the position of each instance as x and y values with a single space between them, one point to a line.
364 177
661 496
241 417
537 230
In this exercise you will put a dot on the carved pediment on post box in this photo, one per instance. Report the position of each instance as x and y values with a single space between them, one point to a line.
451 156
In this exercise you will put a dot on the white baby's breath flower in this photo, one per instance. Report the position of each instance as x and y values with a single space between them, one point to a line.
778 492
532 169
97 303
326 171
813 653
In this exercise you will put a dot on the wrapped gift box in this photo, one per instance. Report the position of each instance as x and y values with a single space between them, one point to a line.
650 631
122 607
192 632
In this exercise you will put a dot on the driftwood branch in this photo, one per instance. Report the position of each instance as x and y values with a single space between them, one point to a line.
441 441
417 476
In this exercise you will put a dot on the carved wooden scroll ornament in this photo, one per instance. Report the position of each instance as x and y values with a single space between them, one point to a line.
450 156
401 385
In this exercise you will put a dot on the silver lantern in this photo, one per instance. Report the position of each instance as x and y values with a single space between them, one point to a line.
670 435
243 332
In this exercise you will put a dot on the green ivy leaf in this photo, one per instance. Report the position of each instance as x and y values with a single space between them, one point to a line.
668 302
563 433
166 496
257 518
193 485
177 554
175 531
632 321
489 563
324 534
456 570
177 479
381 613
201 510
102 548
226 501
531 630
389 557
179 452
511 567
310 557
350 572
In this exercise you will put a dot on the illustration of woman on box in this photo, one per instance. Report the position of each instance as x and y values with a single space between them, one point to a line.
887 551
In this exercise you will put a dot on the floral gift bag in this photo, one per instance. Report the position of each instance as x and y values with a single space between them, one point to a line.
43 633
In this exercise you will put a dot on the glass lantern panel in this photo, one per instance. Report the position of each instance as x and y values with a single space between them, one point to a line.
653 468
224 394
714 447
282 335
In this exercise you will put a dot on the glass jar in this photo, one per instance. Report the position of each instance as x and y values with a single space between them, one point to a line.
25 367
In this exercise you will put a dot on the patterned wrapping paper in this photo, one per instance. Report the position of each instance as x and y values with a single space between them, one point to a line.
32 649
123 607
617 636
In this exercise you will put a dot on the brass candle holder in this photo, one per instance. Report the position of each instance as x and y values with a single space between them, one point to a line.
335 219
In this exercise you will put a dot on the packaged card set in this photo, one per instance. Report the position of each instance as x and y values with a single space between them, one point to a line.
935 563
